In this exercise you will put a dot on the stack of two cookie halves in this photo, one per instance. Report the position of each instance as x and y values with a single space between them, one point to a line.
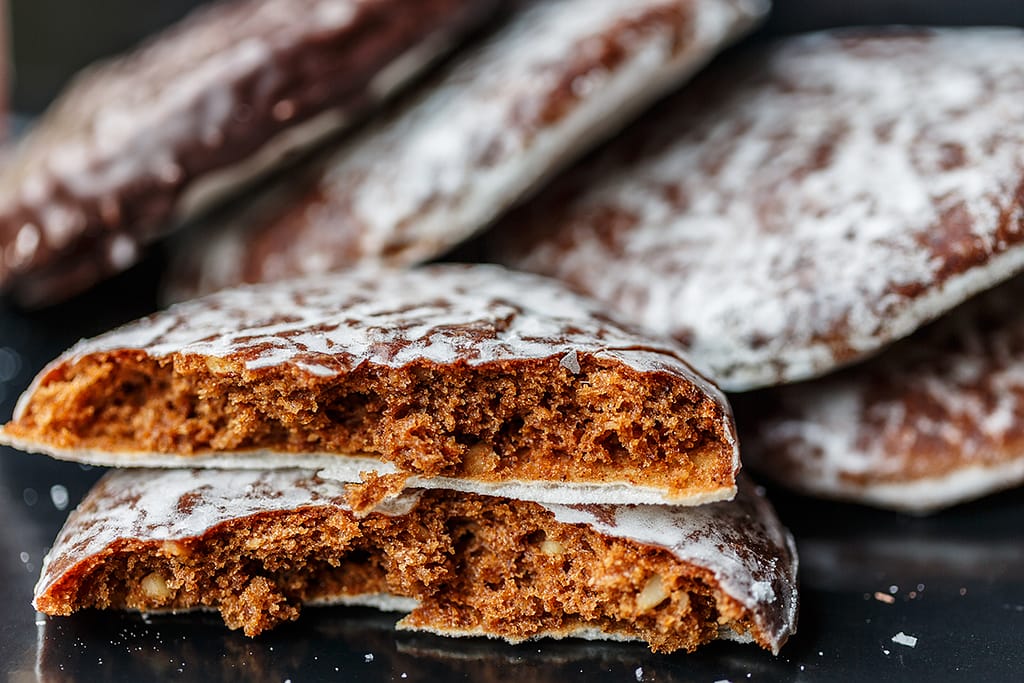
482 449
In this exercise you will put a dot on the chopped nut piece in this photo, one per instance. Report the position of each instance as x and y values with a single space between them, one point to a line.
219 366
175 549
481 459
155 587
552 548
652 595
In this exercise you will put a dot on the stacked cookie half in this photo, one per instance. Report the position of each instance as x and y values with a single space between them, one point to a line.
481 447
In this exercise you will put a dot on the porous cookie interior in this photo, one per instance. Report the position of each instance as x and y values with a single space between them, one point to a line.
522 420
473 563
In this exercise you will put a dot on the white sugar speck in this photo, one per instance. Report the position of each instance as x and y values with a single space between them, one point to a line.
368 657
59 496
902 638
639 670
24 557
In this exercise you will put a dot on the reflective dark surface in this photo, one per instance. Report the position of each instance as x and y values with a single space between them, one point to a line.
954 581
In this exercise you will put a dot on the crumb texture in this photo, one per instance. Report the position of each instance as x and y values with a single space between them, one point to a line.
257 545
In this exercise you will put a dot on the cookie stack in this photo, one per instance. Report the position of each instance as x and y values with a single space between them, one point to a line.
528 465
483 449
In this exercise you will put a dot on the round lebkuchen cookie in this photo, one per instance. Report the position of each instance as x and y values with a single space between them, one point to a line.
936 420
560 76
256 545
469 377
136 145
804 205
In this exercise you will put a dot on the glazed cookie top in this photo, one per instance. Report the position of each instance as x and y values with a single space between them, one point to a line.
933 421
742 543
804 206
116 161
445 314
553 81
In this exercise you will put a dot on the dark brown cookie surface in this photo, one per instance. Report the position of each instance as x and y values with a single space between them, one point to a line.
141 142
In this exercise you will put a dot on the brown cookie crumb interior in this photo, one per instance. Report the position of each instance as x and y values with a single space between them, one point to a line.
522 420
472 562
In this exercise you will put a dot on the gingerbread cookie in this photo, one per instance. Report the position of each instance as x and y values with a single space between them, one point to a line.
145 141
803 206
469 377
559 77
934 421
256 545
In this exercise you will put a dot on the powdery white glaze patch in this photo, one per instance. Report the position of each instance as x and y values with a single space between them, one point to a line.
178 505
560 76
741 542
805 206
933 421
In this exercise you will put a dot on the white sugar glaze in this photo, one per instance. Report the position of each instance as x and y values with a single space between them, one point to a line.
933 421
449 161
329 324
838 194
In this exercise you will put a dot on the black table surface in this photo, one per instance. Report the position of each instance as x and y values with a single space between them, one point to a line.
953 581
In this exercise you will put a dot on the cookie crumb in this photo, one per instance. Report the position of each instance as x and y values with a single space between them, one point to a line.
902 638
884 597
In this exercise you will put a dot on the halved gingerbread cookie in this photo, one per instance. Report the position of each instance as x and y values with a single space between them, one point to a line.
936 420
511 111
142 142
468 377
803 206
256 545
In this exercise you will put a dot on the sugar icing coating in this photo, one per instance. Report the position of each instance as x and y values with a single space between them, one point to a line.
110 166
329 324
933 421
558 77
741 542
805 206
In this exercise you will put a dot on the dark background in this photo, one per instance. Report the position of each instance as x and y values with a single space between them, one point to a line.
957 578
